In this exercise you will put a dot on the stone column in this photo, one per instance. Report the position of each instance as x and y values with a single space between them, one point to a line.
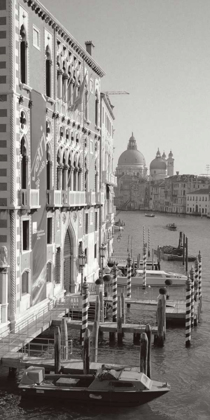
3 285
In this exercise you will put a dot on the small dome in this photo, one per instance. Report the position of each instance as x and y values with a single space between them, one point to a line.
170 154
158 163
131 156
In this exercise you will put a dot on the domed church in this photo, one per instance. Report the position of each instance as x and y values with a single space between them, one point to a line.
132 161
160 167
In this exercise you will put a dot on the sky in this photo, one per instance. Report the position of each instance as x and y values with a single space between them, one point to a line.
159 52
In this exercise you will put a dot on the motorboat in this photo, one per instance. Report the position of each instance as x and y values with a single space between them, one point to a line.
118 228
171 226
123 386
154 278
149 214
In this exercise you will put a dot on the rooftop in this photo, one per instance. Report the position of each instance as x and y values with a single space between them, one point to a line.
200 192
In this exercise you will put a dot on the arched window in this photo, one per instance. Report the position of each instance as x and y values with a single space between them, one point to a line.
25 283
59 170
49 168
23 55
24 162
96 109
48 64
96 178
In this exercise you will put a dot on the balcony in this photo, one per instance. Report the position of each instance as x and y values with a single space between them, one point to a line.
29 198
54 198
90 198
76 198
108 178
100 198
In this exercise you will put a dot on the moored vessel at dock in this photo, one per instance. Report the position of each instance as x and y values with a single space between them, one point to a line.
154 278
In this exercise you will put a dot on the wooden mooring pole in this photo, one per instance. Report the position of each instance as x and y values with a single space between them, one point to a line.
64 338
95 331
119 321
192 306
183 256
200 281
57 349
143 353
86 352
161 321
148 331
186 254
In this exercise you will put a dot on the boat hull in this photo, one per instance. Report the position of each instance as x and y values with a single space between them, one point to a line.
117 398
138 281
173 257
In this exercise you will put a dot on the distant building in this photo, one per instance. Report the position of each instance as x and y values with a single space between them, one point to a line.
198 202
160 167
131 175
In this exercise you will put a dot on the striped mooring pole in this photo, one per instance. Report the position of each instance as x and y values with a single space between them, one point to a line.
148 251
114 294
200 280
196 279
144 268
188 314
192 278
143 237
129 269
84 310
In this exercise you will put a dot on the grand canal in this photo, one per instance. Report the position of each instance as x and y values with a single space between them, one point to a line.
187 370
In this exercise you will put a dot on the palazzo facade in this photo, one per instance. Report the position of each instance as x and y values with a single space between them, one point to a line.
51 188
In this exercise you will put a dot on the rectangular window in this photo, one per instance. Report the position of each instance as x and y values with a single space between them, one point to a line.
86 223
95 251
86 255
25 235
36 37
96 220
49 230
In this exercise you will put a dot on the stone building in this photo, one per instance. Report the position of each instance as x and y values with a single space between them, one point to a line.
131 175
160 167
198 202
50 169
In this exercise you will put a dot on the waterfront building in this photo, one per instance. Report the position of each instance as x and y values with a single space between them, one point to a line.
176 189
108 179
198 202
50 168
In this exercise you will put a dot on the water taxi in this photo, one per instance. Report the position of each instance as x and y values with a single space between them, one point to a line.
154 278
123 386
171 226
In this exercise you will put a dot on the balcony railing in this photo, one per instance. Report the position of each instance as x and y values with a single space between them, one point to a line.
100 198
90 198
29 198
109 178
54 198
76 198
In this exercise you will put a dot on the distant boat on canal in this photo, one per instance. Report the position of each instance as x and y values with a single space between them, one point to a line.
171 226
149 215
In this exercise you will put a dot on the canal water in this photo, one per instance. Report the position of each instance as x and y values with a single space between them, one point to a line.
187 370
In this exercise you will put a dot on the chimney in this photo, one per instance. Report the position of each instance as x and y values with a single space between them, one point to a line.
89 47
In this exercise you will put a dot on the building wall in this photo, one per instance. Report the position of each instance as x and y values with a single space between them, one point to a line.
69 139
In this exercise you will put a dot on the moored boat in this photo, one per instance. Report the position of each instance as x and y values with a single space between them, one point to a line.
171 226
154 278
108 386
149 214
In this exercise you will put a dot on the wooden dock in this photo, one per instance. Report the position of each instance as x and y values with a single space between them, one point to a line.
109 327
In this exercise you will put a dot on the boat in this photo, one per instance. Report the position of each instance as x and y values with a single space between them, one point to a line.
113 386
118 228
149 214
170 253
119 223
171 226
154 278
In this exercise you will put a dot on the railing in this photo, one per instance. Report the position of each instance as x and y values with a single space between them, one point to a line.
29 198
76 198
54 198
99 197
90 198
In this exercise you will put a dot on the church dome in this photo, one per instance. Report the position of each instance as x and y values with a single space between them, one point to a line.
158 163
131 156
